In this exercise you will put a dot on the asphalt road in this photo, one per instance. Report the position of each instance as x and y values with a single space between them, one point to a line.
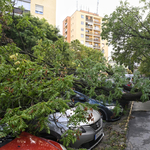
138 136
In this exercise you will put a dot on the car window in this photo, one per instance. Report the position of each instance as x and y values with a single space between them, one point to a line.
77 97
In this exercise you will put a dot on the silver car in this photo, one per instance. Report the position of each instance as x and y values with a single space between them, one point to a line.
92 132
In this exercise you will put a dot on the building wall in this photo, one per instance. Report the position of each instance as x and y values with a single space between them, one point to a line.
91 30
49 10
67 29
76 26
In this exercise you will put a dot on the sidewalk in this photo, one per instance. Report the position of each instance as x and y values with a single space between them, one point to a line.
138 136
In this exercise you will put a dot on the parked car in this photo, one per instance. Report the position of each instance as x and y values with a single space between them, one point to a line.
27 141
92 132
105 110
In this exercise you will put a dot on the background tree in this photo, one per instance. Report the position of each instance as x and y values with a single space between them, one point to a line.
127 29
26 30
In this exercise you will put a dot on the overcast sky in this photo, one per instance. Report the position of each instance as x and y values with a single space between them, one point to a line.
66 8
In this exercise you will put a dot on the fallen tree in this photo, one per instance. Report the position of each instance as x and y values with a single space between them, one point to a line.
34 81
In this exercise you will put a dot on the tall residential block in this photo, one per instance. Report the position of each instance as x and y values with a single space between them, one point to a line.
38 8
86 27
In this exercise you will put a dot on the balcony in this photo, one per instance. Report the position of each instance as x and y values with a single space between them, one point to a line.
89 33
97 22
89 20
88 39
96 47
96 28
19 11
91 46
97 34
90 27
97 40
66 30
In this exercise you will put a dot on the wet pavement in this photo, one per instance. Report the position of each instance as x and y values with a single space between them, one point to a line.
138 135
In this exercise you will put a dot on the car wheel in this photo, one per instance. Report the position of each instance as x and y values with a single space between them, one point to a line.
102 114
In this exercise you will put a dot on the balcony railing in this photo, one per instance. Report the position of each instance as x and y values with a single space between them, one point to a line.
90 20
97 40
89 46
19 11
98 23
96 34
96 20
97 28
90 27
88 39
88 32
96 47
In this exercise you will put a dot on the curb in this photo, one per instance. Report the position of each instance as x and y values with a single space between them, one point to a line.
129 116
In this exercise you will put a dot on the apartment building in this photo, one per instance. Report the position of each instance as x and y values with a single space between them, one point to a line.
38 8
86 27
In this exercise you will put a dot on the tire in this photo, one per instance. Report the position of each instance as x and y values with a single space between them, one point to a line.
102 114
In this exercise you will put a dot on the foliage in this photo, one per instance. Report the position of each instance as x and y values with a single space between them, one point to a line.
26 30
144 67
127 29
39 71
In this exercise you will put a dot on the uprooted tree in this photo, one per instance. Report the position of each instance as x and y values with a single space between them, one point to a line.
38 79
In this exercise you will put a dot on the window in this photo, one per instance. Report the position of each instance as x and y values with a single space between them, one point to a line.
82 35
102 50
26 4
82 22
82 42
38 9
82 16
82 29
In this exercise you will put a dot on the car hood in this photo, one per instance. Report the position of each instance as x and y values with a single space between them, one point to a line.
27 141
64 118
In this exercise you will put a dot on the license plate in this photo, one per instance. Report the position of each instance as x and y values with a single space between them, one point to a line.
98 134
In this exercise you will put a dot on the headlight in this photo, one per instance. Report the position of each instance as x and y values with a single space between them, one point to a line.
110 107
78 128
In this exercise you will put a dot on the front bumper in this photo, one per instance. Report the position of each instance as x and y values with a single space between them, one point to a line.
92 136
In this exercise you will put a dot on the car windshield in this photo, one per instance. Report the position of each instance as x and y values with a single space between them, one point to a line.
80 98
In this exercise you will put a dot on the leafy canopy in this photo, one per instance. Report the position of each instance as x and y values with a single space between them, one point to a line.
127 30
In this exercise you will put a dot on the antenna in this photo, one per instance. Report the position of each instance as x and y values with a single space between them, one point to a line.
97 6
77 5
